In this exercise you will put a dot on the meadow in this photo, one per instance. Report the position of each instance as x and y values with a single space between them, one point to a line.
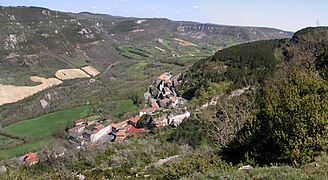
39 131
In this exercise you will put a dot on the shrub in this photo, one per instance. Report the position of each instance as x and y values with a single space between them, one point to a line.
322 65
189 166
192 132
291 126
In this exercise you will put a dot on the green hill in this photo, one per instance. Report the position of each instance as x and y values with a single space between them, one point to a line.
33 134
127 52
262 104
263 100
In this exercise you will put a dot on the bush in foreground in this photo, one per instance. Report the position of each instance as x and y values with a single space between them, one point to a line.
291 126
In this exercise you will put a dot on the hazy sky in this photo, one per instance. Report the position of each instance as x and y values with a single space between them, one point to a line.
284 14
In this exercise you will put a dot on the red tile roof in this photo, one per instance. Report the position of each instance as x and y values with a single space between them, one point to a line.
75 128
165 101
173 99
135 119
128 127
165 77
167 90
136 130
155 105
121 124
78 121
99 127
176 82
120 134
31 156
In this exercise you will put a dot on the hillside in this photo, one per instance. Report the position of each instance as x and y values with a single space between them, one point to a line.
36 37
259 112
253 97
257 62
127 51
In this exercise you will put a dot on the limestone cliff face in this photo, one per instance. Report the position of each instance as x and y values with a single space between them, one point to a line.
247 33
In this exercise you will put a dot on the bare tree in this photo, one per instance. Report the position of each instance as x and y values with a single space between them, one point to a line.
228 116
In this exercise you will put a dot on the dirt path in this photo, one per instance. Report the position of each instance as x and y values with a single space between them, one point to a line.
110 66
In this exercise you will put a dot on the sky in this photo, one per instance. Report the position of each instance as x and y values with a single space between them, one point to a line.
290 15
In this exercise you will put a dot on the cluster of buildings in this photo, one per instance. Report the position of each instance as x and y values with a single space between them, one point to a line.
162 104
90 132
162 98
162 93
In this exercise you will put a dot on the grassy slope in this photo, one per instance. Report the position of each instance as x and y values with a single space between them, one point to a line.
4 139
41 129
125 106
25 148
6 142
315 170
46 125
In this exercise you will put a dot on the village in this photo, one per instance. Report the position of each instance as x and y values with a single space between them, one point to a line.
163 107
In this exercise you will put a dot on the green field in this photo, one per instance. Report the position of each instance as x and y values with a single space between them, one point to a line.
93 118
136 71
7 142
138 67
125 106
4 139
133 53
167 44
39 129
74 60
46 125
26 148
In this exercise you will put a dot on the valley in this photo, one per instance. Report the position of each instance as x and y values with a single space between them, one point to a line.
185 100
43 41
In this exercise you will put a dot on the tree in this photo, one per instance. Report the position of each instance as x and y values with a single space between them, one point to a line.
322 65
228 116
146 121
136 97
291 126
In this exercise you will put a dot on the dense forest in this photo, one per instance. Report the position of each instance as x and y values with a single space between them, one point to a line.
242 65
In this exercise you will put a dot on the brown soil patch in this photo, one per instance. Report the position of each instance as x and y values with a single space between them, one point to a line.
10 93
90 70
66 74
184 43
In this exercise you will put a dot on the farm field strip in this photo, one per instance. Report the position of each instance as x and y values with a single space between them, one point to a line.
11 93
